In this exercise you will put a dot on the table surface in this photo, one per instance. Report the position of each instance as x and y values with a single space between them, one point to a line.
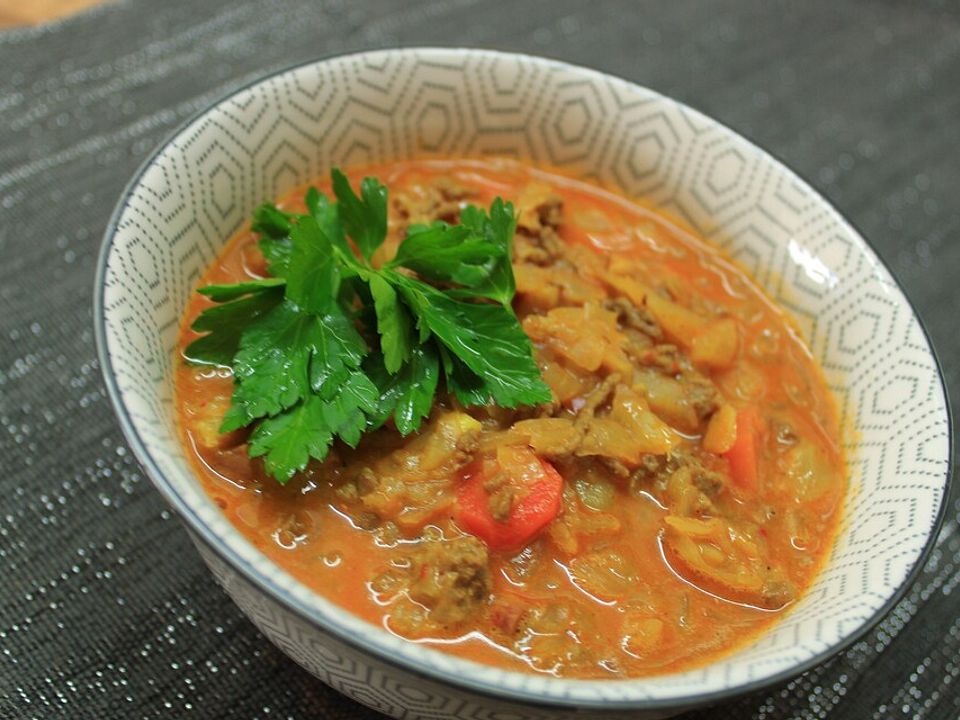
105 609
18 12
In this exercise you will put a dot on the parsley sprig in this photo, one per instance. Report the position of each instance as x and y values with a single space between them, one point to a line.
331 347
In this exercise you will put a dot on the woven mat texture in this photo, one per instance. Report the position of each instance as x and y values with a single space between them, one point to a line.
105 609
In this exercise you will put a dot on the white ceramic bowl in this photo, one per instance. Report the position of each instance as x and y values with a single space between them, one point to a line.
279 132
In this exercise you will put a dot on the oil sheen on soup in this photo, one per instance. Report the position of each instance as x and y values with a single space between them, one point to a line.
692 441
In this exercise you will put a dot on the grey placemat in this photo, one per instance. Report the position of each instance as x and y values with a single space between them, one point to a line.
105 609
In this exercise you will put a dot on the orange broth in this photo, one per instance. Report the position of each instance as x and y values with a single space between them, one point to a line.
618 591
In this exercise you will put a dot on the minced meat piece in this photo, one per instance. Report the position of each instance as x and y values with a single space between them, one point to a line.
651 468
500 502
659 468
665 357
531 412
702 393
635 318
550 211
598 397
616 467
451 578
442 200
709 482
539 209
776 593
500 496
543 248
537 241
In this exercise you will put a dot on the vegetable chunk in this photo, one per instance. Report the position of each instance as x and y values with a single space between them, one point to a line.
532 485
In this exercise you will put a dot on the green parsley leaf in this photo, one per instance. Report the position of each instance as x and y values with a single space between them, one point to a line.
446 253
408 394
487 338
222 293
271 368
224 324
346 412
313 277
365 220
304 374
275 226
327 215
313 200
277 252
340 349
288 440
393 322
271 222
464 384
497 229
475 254
500 353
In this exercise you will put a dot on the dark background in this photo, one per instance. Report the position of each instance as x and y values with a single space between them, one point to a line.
105 609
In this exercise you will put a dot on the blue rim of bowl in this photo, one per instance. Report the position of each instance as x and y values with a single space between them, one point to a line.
490 690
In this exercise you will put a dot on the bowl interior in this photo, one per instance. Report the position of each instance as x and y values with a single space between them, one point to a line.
380 106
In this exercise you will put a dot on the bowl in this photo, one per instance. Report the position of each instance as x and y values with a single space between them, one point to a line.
281 131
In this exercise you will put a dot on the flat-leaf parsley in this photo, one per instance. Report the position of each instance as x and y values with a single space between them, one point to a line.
331 347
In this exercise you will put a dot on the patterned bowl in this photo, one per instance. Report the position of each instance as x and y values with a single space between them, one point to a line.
279 132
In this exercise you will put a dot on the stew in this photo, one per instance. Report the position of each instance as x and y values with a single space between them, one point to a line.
674 497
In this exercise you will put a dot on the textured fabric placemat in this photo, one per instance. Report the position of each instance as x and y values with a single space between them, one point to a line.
105 609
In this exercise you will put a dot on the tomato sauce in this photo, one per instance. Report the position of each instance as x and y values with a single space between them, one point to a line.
698 445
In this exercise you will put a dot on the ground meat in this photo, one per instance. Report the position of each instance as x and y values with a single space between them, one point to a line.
550 211
355 484
539 209
493 415
449 189
451 578
548 410
544 410
657 469
776 593
442 200
537 241
387 534
355 487
650 469
468 443
366 520
664 357
638 343
709 482
551 634
615 466
347 491
599 396
702 393
543 248
635 318
682 480
293 528
501 494
500 503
